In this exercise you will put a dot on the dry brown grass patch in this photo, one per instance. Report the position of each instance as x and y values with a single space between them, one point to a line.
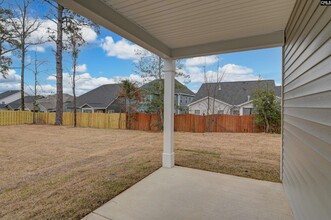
50 172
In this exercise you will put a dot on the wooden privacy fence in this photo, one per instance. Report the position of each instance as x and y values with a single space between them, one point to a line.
144 122
137 121
216 123
92 120
196 123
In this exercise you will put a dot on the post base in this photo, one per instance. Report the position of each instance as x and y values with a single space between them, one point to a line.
168 160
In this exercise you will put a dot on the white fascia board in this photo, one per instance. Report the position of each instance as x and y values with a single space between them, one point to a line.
94 108
180 93
245 103
274 39
102 14
112 102
82 106
199 100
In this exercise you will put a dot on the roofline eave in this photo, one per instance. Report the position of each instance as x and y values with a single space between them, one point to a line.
199 100
104 15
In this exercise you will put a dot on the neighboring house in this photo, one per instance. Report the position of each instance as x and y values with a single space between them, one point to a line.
28 102
105 98
43 104
183 96
48 103
229 97
10 96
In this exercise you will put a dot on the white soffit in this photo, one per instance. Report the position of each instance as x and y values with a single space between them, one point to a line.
187 28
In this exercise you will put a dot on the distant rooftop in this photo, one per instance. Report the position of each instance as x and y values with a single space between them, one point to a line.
8 93
234 93
100 97
179 87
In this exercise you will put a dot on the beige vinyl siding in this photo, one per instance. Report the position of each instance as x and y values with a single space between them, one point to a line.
306 163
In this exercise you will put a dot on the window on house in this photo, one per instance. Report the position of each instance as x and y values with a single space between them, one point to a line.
197 112
235 111
111 111
87 110
220 112
247 111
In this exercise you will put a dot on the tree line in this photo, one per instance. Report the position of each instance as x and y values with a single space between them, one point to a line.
17 25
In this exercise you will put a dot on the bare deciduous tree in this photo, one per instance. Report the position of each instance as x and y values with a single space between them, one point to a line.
150 67
67 22
75 42
23 26
212 82
37 64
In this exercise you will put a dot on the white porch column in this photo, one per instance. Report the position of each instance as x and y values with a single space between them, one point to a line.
168 157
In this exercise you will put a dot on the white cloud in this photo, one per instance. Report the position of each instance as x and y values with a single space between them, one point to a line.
46 89
85 82
11 82
42 35
11 77
200 61
230 72
122 49
37 49
235 72
81 68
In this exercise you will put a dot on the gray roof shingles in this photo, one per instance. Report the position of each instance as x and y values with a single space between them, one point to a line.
233 93
278 91
8 93
17 104
49 102
179 87
100 97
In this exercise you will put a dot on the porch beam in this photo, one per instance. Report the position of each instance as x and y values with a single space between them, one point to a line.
274 39
168 156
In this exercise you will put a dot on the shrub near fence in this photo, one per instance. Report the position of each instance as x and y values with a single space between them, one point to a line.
92 120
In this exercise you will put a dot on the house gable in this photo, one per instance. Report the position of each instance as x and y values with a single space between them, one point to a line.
101 97
10 96
215 106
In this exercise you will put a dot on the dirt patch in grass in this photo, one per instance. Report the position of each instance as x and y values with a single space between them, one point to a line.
50 172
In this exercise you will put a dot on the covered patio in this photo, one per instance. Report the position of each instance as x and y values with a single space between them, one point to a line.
183 193
189 28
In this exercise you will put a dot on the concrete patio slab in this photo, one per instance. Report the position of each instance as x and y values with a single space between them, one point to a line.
184 193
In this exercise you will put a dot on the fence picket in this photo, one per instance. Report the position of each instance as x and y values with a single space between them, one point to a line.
97 120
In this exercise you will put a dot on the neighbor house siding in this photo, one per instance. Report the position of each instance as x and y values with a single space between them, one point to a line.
202 106
306 163
246 109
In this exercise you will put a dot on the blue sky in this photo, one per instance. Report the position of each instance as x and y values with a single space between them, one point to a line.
108 58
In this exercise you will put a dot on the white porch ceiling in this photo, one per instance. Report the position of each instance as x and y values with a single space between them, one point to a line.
187 28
